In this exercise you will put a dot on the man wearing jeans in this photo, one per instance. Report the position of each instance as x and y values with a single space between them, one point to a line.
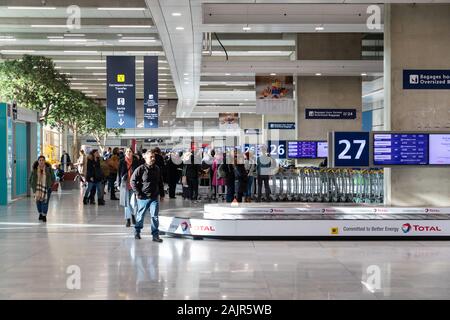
147 184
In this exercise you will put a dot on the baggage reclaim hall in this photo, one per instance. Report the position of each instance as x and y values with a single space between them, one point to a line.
201 149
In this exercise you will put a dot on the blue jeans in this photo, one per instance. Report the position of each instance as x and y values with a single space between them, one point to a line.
249 186
42 206
98 185
129 210
143 206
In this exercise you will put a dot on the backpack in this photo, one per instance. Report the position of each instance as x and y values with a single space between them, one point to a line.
221 173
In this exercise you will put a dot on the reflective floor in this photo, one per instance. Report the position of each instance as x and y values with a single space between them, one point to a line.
86 252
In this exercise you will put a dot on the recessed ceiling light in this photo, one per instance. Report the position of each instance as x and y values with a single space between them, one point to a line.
16 51
32 8
129 26
48 26
9 39
74 35
186 78
186 74
318 74
186 82
319 28
123 9
273 74
179 28
246 28
364 74
228 74
136 40
176 14
80 51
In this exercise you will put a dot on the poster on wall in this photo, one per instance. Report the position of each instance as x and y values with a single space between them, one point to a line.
274 94
121 93
228 121
151 92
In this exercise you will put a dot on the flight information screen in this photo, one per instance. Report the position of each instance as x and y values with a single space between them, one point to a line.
322 149
439 149
400 149
302 149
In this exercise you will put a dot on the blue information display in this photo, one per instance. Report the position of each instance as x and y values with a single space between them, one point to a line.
121 93
281 125
400 149
302 149
150 92
322 149
439 145
351 149
426 79
277 149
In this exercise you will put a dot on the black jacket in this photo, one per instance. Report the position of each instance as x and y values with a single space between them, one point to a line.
123 168
94 171
191 169
173 174
147 182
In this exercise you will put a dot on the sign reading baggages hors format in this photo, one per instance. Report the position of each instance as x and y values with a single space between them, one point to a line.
281 125
151 92
334 114
426 79
351 149
121 93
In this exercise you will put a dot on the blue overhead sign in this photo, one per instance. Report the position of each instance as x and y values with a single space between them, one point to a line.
351 149
121 93
281 125
334 114
150 92
426 79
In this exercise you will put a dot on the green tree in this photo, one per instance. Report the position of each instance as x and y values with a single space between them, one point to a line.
34 83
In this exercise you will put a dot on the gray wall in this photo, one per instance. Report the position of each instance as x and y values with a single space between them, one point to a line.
420 39
327 92
329 46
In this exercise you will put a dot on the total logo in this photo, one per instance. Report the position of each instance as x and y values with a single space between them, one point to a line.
276 211
186 225
431 210
418 228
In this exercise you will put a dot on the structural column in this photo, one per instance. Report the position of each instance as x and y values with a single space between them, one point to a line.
419 39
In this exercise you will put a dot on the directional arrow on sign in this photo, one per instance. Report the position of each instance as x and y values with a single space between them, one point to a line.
121 122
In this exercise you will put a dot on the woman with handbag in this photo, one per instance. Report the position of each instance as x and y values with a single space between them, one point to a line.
41 181
126 168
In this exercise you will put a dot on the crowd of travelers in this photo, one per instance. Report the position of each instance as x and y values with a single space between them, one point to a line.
140 179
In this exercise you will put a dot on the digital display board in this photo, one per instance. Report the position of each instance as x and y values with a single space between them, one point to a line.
302 149
322 149
400 149
439 146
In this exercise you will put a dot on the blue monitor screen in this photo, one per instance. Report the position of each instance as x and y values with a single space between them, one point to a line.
439 149
302 149
400 149
322 149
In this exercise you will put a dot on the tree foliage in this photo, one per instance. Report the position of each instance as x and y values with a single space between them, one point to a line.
33 82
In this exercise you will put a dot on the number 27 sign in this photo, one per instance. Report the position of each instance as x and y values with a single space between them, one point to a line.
351 149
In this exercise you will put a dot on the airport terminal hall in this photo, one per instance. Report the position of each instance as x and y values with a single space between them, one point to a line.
213 150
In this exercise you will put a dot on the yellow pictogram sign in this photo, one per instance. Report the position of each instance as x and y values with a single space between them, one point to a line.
335 230
120 78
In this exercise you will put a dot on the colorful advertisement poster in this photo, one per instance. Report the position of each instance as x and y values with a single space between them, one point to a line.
274 94
228 121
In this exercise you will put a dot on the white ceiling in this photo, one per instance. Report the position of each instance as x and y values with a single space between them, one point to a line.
81 53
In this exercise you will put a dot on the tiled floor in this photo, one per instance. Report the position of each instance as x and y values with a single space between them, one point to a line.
35 260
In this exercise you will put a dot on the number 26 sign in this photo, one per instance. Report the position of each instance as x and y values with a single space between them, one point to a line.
351 149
